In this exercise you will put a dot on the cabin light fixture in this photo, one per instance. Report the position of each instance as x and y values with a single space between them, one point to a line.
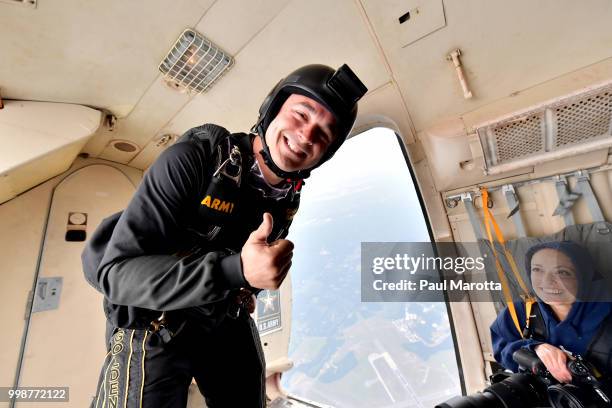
194 63
124 146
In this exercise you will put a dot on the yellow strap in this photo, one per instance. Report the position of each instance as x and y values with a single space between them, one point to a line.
489 219
529 300
528 305
507 294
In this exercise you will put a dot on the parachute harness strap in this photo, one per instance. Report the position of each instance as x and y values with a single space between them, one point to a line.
489 221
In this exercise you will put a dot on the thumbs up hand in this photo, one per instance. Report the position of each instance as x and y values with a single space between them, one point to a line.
265 265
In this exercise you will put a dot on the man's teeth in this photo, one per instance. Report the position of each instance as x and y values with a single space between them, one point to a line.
551 291
293 147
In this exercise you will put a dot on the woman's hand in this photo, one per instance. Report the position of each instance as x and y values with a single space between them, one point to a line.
555 361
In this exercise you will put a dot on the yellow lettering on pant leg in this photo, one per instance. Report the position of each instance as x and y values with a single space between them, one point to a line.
225 206
114 373
206 201
215 204
113 384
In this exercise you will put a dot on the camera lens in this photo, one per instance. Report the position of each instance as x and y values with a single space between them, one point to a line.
570 396
516 391
480 400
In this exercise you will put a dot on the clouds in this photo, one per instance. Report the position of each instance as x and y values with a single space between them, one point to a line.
364 194
331 191
311 222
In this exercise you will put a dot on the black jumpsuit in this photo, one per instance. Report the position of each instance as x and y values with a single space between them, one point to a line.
153 257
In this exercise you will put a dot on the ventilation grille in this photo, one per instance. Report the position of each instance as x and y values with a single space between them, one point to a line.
583 120
552 127
518 139
194 63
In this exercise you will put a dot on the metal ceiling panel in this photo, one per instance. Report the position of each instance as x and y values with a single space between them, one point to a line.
506 47
102 54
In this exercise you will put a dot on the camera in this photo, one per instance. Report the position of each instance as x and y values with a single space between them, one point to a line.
534 386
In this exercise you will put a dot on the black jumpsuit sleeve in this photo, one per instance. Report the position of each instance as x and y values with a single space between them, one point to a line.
140 266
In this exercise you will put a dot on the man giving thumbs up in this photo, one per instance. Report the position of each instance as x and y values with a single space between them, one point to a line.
192 244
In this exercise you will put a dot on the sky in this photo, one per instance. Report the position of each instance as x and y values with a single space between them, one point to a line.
364 193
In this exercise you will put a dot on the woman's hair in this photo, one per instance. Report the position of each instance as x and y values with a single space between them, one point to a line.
581 259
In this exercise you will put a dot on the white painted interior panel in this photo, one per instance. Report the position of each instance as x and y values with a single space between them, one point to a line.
78 324
40 140
103 54
507 47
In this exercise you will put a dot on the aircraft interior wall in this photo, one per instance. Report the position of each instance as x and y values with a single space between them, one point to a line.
517 56
33 248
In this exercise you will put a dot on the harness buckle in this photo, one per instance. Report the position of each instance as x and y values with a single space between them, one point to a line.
243 304
159 326
231 167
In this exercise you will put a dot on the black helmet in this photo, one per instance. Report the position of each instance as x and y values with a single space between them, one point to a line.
338 91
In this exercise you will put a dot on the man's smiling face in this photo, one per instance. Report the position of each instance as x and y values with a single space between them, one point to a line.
300 134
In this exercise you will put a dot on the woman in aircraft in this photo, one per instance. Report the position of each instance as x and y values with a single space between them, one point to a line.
566 313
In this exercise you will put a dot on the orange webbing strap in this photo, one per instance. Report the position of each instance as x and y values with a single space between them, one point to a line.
489 219
529 300
507 294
